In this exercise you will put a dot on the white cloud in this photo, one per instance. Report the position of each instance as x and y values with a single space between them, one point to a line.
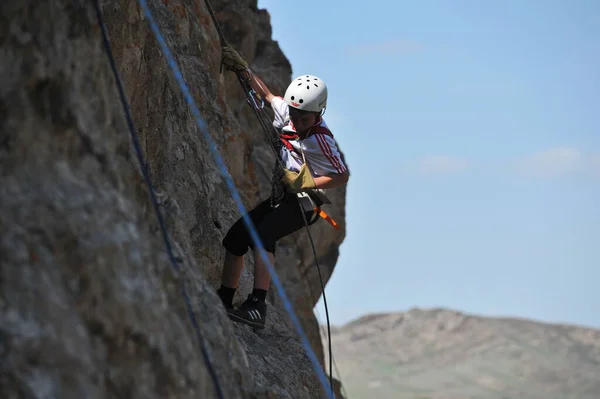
549 163
442 164
558 161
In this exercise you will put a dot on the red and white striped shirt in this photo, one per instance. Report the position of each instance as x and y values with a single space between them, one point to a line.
320 149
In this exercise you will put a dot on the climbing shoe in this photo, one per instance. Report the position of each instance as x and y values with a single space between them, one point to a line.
252 312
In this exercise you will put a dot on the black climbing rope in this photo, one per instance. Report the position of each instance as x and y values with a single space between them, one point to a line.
143 167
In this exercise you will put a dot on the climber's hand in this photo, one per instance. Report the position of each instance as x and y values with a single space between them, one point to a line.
232 60
297 182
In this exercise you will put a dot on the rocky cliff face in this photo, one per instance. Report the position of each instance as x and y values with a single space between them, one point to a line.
89 303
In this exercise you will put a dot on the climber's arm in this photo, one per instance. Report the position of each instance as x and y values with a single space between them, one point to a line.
258 85
332 180
232 61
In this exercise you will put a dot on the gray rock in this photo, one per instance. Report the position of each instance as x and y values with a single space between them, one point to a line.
90 305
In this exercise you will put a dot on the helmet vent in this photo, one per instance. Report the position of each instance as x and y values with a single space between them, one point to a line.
301 101
307 87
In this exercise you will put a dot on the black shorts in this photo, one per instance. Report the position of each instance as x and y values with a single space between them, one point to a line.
271 224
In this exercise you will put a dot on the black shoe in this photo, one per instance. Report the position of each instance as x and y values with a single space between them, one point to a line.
252 312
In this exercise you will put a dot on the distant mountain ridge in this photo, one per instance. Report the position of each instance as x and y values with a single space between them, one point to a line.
445 354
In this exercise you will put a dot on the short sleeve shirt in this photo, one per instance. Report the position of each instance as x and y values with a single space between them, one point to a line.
320 150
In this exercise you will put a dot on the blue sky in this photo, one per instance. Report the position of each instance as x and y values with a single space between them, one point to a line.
472 131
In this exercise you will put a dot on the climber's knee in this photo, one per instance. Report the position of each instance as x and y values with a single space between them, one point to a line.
236 241
267 238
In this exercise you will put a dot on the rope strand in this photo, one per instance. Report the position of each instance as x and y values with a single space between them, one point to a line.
155 205
234 192
260 115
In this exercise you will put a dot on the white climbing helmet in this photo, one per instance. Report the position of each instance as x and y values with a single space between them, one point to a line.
307 93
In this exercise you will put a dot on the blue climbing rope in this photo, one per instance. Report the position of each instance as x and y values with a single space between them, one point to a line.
143 166
235 194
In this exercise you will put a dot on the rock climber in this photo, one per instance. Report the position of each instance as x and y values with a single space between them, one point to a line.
312 163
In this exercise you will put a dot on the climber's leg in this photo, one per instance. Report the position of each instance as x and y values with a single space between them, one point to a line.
232 270
236 243
284 220
238 239
262 278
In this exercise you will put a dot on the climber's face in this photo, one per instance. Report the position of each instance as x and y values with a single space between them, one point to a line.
302 120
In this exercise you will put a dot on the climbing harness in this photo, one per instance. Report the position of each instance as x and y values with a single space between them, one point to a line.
317 196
